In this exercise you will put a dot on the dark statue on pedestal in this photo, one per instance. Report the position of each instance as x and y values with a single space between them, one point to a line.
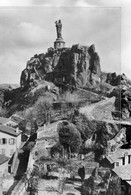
59 43
58 29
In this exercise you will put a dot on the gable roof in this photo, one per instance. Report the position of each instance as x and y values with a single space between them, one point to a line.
119 153
4 120
129 182
16 119
3 159
9 130
123 172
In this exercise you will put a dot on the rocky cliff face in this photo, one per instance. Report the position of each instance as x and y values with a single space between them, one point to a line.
122 102
115 80
77 65
5 90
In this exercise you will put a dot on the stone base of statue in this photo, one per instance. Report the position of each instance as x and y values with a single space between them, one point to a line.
59 43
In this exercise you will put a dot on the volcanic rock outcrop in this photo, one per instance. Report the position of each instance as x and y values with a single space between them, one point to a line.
77 65
115 80
123 101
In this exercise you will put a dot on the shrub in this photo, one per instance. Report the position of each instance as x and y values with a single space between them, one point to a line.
85 126
3 112
70 97
57 149
69 136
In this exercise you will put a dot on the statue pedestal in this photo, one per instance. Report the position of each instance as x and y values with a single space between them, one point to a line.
59 43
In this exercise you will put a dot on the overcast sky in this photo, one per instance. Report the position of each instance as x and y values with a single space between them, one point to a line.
28 27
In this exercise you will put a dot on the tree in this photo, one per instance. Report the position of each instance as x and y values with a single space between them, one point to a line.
85 126
30 116
69 141
39 114
3 112
43 109
69 136
57 150
81 173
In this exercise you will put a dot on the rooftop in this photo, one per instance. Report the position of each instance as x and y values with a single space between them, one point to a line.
9 130
16 119
123 172
4 120
119 153
3 159
12 124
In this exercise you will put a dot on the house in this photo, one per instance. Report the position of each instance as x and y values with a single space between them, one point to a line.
123 172
14 121
47 137
120 157
10 140
4 120
3 165
120 163
117 141
6 180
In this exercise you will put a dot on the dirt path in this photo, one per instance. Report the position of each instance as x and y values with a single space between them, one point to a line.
99 111
87 110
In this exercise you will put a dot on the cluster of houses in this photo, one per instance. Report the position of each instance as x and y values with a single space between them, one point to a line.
10 144
119 160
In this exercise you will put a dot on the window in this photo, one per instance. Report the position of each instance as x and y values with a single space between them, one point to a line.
123 161
9 169
11 141
117 164
129 159
3 141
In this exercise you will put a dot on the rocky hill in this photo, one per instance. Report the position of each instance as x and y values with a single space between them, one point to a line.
77 65
67 85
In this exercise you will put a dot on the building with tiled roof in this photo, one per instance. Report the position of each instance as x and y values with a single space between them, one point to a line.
123 172
120 157
14 121
9 130
4 120
3 159
10 140
3 165
120 162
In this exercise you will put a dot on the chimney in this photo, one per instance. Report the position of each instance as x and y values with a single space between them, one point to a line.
17 130
126 158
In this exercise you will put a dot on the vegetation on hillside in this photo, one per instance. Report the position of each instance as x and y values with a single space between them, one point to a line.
69 136
85 126
40 112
